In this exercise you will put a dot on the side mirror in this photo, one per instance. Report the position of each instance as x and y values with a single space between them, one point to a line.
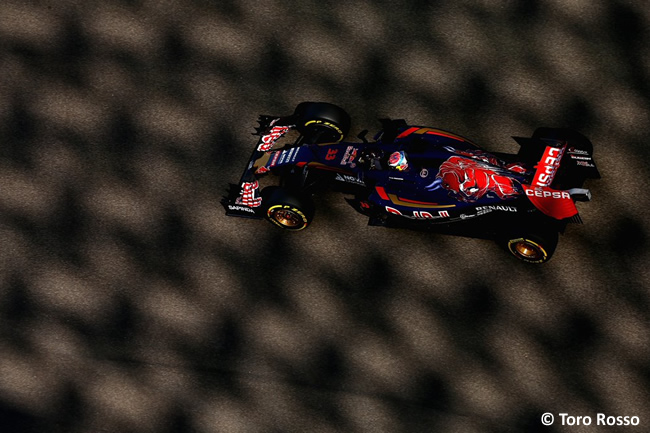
362 136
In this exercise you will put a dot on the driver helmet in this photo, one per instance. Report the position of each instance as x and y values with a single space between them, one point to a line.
397 160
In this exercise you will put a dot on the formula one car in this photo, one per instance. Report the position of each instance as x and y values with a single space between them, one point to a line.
418 178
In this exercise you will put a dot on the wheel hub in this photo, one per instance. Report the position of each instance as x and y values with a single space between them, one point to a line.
287 218
528 250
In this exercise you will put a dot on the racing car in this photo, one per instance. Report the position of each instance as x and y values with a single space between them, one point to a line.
417 177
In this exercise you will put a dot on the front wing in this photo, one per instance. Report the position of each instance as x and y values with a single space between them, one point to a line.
244 199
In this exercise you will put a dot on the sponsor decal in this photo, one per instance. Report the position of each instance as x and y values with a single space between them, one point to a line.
293 153
328 124
279 157
349 156
573 150
287 156
468 180
418 215
548 166
486 209
551 202
585 164
482 211
349 179
547 193
234 207
274 159
393 211
267 141
424 215
249 195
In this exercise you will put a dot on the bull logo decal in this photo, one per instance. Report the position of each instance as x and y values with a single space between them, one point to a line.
267 141
249 195
468 180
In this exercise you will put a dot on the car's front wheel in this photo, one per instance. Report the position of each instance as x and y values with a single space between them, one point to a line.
322 122
286 209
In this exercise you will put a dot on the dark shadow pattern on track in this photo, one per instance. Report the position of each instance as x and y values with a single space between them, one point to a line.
130 303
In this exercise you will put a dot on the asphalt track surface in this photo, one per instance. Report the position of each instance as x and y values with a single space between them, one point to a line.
130 303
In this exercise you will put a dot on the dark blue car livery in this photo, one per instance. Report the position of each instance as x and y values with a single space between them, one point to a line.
444 182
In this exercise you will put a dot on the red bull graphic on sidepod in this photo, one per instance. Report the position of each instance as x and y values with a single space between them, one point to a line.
468 180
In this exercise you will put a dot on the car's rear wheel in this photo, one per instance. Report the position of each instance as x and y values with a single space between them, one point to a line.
532 246
322 122
286 209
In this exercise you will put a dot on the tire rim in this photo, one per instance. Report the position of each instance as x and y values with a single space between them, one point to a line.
287 218
528 250
327 127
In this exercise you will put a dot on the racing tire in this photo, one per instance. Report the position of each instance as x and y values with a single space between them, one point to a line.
287 210
322 122
532 247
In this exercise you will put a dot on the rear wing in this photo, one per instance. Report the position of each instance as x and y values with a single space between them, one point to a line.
564 160
576 162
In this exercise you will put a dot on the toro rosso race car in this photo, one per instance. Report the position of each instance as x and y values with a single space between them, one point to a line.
418 178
